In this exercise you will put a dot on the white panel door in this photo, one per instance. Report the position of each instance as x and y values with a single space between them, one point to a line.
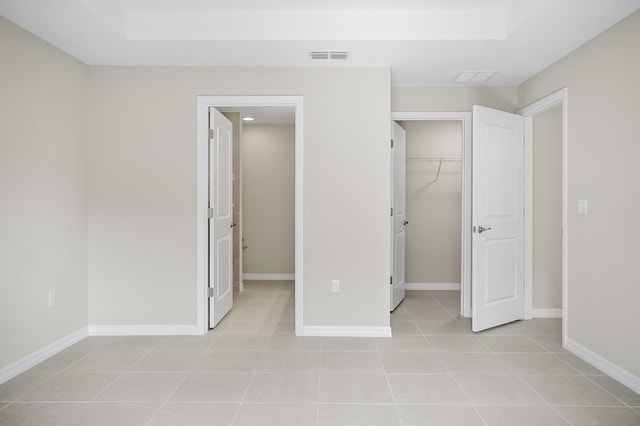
220 217
498 223
398 216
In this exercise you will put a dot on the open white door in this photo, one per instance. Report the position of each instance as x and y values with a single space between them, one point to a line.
498 223
220 216
398 213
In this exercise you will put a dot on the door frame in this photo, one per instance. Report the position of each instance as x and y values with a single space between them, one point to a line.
465 118
203 103
559 97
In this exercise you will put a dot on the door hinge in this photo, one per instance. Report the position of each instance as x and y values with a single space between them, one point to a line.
390 280
209 212
210 133
209 291
391 211
391 143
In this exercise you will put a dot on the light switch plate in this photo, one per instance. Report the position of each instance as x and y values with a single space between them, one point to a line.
583 206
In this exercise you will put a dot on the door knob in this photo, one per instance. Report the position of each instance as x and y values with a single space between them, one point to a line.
481 229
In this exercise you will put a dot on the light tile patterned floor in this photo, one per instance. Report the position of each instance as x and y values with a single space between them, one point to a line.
252 370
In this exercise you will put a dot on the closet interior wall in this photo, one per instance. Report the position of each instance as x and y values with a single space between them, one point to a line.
434 202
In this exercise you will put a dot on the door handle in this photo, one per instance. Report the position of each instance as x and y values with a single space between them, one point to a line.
405 223
481 229
232 224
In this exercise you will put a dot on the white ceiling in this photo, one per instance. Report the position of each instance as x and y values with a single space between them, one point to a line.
425 42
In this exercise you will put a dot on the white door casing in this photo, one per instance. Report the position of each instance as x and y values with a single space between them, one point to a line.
220 216
398 216
498 210
203 105
465 243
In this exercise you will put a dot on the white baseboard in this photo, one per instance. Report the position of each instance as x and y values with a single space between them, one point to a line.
144 330
268 277
34 358
547 313
603 364
433 286
346 331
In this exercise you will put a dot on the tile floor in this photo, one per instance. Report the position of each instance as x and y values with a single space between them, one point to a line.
252 370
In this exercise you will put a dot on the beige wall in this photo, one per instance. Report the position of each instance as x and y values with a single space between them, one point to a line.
268 155
43 193
547 209
142 162
452 99
603 288
434 209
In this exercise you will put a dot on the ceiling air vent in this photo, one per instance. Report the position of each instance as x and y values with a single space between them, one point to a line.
339 55
329 54
474 76
319 54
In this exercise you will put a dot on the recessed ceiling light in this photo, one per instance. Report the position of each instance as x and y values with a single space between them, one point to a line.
248 118
474 76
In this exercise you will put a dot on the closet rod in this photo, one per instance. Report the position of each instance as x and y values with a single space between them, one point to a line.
434 158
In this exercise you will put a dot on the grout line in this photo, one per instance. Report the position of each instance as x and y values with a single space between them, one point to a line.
461 388
607 391
386 378
255 370
184 379
53 373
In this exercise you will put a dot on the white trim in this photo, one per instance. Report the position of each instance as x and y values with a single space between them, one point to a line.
560 97
465 117
433 286
556 98
528 218
618 373
203 103
144 330
269 277
346 331
547 313
36 357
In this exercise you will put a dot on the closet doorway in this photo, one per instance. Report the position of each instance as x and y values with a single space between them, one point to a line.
434 204
438 182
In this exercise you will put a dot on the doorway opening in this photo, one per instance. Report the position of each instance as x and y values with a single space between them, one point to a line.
234 106
558 99
462 120
264 214
434 204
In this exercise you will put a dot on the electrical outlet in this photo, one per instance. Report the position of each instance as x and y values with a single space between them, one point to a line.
335 286
52 298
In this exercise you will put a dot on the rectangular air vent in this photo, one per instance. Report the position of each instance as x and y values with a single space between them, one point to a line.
339 55
329 54
319 54
474 76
